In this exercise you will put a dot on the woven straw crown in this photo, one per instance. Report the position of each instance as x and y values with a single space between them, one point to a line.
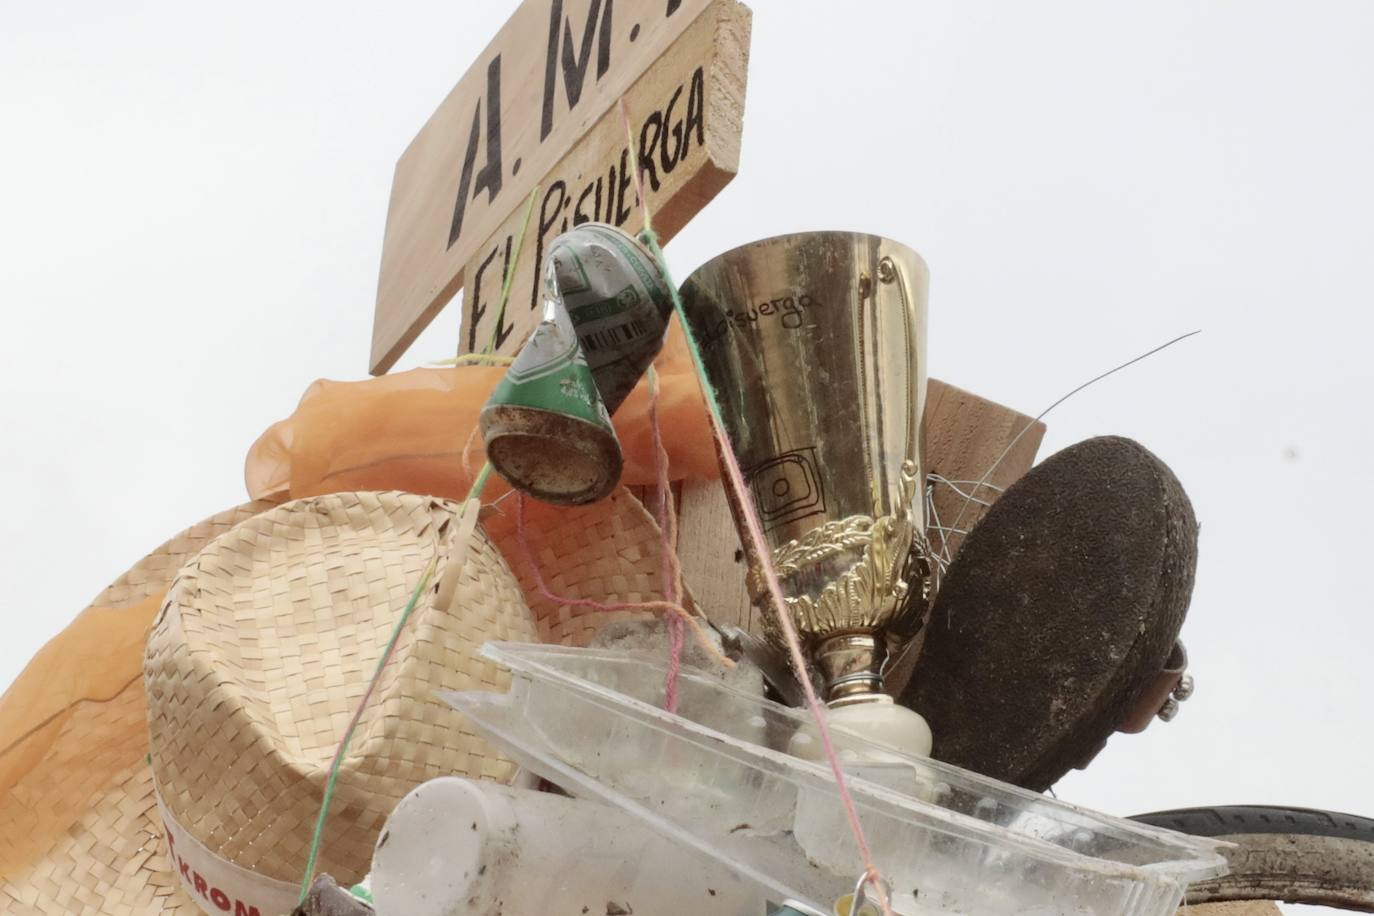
264 648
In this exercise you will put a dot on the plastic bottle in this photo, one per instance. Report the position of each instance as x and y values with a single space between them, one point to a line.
457 846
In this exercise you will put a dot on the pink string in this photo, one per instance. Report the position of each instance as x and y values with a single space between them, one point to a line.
667 519
668 563
754 529
667 524
522 540
543 588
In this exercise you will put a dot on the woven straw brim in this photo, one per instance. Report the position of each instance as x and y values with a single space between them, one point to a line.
80 833
263 653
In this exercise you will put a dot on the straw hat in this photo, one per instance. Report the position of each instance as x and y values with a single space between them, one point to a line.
262 653
244 717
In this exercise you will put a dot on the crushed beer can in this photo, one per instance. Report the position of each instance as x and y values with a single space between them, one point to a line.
618 300
547 425
546 429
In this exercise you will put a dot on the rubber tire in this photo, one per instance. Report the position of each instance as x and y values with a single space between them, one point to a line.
1294 855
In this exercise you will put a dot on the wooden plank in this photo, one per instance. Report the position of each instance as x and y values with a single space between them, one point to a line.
687 114
552 72
1240 908
964 435
708 549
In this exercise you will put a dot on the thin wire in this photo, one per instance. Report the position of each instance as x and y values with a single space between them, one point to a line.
990 486
988 473
667 506
935 518
466 454
496 503
968 496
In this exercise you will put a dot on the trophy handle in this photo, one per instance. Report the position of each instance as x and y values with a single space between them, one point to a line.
889 271
918 566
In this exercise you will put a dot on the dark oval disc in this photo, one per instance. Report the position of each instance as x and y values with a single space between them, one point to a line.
1061 606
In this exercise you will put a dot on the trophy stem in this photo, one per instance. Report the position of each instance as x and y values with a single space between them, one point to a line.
852 665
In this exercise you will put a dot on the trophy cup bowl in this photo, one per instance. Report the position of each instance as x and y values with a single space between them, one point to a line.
815 345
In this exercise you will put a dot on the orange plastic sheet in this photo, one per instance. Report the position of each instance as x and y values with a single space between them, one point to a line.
91 661
409 431
70 723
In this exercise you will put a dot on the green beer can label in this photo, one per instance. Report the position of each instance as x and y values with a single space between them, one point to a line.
617 299
551 373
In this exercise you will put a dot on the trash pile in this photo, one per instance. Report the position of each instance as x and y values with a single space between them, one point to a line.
405 685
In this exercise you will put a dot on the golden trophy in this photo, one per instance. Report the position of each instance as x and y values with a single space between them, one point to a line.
815 345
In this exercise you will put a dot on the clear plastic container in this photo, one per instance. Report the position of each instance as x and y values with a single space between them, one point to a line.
946 840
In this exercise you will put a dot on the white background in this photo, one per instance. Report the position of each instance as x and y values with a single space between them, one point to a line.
192 199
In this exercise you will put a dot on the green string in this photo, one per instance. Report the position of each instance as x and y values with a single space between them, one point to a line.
329 785
318 836
650 238
510 271
481 482
478 486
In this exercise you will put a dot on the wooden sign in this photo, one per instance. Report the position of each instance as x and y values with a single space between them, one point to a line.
541 107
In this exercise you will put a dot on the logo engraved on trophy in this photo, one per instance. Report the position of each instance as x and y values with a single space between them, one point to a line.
787 487
849 573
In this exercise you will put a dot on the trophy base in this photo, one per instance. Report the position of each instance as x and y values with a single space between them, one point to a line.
852 664
877 719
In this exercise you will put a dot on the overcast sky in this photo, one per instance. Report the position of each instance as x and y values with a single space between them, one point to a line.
192 200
